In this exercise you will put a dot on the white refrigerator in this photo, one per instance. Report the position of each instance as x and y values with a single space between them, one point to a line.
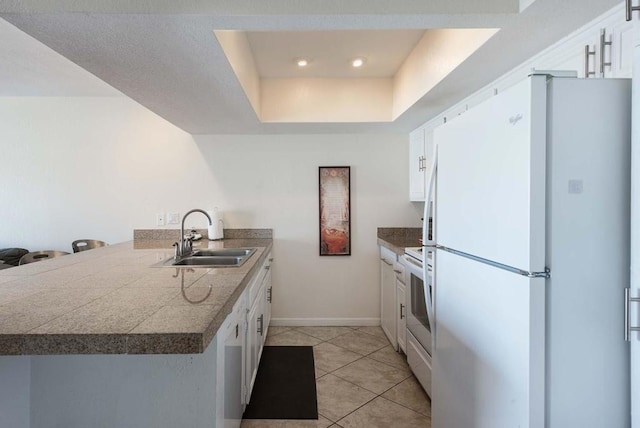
531 241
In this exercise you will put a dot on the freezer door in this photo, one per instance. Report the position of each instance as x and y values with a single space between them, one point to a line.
488 360
491 178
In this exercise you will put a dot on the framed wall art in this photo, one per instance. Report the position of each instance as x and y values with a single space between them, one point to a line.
335 210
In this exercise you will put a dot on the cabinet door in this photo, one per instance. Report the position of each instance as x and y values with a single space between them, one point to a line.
620 53
402 315
268 299
417 164
252 345
261 304
233 342
388 295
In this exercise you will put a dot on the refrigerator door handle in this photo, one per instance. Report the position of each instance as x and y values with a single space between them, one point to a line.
430 186
627 322
426 245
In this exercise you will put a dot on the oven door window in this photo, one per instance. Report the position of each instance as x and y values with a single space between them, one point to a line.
418 302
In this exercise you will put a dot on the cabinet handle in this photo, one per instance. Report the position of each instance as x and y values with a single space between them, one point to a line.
630 9
397 271
269 294
587 53
237 332
603 45
401 311
271 259
267 267
261 326
385 260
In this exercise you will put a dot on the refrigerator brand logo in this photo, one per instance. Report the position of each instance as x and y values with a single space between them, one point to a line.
515 119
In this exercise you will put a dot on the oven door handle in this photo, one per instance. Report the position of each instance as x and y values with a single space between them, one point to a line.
412 261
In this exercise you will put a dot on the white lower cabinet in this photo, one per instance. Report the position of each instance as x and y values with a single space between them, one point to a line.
258 318
240 341
388 295
230 368
252 346
268 294
401 301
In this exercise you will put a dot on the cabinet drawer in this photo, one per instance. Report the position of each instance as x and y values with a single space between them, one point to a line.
419 361
387 256
254 287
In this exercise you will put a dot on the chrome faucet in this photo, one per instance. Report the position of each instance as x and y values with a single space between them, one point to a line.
186 245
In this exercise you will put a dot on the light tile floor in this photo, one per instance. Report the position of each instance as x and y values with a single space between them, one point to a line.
361 381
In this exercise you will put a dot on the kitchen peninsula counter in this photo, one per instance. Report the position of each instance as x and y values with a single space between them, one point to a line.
111 300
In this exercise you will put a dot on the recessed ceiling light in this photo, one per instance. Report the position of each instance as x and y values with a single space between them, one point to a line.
358 62
302 62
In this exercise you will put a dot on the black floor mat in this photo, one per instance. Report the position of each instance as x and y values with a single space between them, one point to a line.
285 386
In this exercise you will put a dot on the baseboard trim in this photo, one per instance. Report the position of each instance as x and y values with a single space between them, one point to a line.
319 322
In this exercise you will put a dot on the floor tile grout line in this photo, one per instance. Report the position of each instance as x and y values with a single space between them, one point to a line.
356 409
385 363
335 344
360 386
319 338
402 405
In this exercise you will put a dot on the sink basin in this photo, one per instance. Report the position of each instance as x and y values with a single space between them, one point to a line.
211 258
226 252
209 261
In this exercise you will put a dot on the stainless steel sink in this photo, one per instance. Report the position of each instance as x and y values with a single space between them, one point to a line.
211 258
226 252
209 261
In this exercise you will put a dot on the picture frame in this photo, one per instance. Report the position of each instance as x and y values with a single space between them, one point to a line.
334 190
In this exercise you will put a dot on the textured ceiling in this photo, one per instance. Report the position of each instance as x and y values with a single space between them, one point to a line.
164 55
29 68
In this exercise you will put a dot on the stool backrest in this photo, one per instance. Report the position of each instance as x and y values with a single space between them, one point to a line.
38 256
86 244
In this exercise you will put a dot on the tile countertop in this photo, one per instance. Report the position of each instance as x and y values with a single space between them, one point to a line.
111 300
398 238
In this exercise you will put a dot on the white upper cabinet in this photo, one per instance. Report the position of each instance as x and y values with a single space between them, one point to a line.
601 49
416 165
621 49
420 160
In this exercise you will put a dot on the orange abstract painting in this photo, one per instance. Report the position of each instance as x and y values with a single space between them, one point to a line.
335 211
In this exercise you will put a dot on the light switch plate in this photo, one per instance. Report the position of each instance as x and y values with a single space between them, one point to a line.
174 218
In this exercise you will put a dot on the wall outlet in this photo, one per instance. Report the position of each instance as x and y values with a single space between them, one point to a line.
160 219
174 218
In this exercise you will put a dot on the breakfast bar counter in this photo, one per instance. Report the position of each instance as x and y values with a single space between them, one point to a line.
112 300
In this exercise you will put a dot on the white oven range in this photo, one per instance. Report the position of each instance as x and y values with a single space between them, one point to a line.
419 314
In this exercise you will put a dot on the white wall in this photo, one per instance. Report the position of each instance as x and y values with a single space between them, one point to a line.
99 167
272 181
93 168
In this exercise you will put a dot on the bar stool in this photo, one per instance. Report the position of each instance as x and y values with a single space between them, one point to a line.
38 256
86 244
